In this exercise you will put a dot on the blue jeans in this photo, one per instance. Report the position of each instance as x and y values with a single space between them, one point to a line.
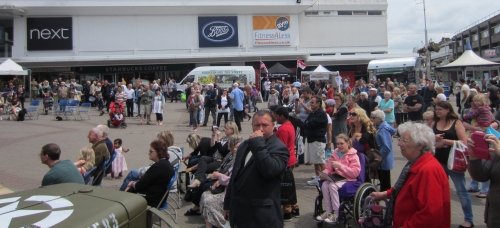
459 182
132 176
193 161
231 115
485 186
254 101
266 97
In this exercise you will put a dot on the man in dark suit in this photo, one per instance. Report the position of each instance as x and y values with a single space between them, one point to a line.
253 194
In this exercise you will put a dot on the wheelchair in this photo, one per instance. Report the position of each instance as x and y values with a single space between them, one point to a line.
351 196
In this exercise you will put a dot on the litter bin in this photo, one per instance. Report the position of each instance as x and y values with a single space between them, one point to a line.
446 91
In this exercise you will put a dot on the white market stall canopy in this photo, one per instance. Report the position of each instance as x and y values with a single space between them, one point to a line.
469 59
9 67
320 73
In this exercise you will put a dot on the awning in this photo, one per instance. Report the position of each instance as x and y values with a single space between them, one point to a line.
469 59
9 67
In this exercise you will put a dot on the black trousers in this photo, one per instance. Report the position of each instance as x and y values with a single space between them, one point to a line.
205 185
130 107
208 111
206 164
385 179
159 116
238 116
173 96
399 118
219 117
108 101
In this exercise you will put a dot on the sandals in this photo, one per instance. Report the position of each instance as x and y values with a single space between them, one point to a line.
140 123
482 196
148 123
192 212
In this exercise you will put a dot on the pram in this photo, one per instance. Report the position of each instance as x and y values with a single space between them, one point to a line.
48 103
116 108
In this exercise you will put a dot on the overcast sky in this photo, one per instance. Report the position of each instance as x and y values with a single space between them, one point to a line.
444 18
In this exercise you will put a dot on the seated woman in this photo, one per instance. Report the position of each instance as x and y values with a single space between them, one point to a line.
421 195
14 105
361 131
208 164
85 160
136 174
154 182
201 147
207 183
211 203
343 165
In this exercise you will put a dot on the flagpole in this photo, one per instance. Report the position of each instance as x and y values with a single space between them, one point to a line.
297 69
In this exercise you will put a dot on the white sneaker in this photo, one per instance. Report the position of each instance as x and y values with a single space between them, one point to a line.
1 118
312 177
313 182
323 216
331 219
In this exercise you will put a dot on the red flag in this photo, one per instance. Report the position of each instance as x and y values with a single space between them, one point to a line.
263 67
301 64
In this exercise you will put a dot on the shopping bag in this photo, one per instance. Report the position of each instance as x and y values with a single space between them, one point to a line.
183 97
300 146
288 191
456 160
492 131
135 108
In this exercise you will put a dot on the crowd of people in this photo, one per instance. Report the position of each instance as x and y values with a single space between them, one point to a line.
238 180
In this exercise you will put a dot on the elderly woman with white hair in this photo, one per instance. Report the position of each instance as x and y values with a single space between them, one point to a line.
384 142
363 102
387 106
421 195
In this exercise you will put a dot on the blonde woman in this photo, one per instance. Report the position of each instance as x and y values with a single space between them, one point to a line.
201 147
440 95
273 98
85 160
361 131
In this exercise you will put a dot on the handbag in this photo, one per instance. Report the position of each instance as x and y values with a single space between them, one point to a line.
374 160
288 191
218 190
456 160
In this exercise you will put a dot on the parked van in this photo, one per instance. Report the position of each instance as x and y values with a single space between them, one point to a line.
224 75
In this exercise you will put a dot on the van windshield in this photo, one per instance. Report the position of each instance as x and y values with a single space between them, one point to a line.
189 78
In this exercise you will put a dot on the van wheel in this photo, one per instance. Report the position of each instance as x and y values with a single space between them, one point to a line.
178 95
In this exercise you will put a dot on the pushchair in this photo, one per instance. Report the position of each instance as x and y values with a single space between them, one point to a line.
116 109
48 102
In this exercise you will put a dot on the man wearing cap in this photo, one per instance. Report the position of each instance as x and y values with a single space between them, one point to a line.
237 100
373 99
210 105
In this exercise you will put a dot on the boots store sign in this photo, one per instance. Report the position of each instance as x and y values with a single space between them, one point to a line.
218 31
49 33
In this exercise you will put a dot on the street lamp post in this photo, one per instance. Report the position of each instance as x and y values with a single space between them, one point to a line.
427 52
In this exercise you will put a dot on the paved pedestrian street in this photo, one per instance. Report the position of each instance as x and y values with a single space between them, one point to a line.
21 169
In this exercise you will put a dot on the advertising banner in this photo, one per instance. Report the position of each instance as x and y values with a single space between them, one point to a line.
218 31
490 53
271 30
49 33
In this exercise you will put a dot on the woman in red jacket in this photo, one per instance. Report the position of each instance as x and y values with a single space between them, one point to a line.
421 196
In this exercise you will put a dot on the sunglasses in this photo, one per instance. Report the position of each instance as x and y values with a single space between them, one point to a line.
353 114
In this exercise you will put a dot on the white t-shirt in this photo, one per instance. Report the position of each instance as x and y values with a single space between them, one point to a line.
329 123
465 89
267 85
378 99
441 97
223 102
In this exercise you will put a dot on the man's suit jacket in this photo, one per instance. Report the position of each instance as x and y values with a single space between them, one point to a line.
253 194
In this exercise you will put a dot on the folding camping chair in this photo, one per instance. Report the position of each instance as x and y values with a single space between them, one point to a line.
84 108
32 110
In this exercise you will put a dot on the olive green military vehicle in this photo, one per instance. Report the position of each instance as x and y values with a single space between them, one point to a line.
75 205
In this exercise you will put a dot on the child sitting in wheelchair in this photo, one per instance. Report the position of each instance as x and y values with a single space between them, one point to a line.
343 166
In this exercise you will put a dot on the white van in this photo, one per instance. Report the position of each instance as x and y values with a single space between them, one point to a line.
224 75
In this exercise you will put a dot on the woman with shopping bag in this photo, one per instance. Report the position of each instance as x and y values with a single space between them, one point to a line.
448 130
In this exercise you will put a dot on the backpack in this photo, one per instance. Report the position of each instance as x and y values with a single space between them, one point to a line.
21 114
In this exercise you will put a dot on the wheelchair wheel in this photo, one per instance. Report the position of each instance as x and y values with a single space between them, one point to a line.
363 191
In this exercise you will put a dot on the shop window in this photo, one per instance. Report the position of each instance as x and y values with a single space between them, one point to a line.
484 34
373 13
312 13
359 13
344 13
326 13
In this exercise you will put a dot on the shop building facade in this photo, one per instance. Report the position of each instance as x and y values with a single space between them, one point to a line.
160 39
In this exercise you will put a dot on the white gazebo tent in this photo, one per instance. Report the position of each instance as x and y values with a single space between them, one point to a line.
9 67
469 61
321 73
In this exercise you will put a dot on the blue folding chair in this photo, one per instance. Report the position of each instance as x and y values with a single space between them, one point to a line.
103 168
72 107
165 197
87 177
32 110
61 109
84 108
